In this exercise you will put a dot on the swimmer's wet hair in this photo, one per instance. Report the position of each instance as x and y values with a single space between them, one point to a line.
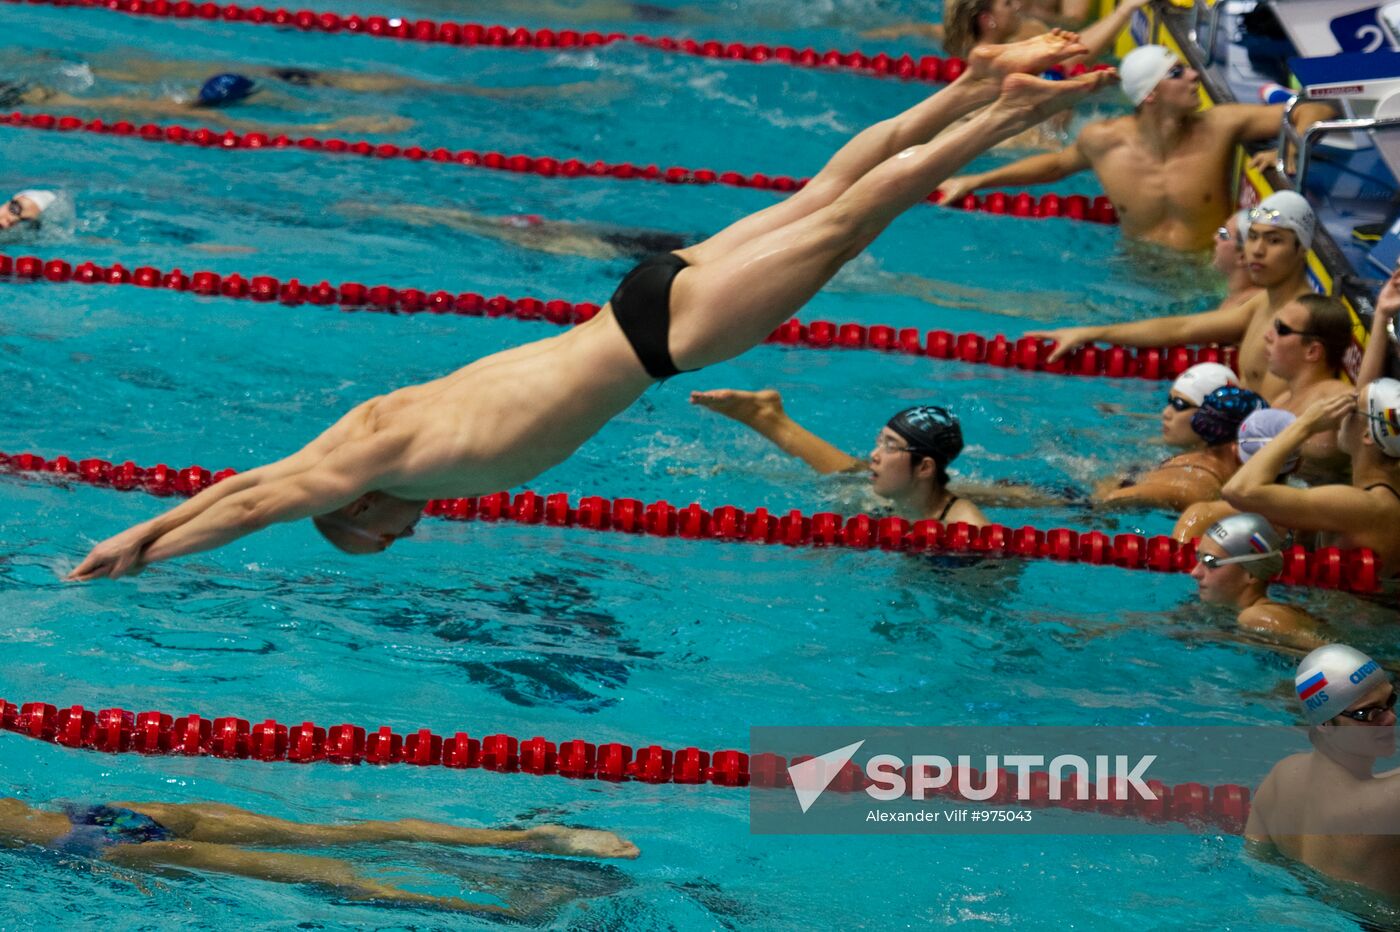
960 29
1330 320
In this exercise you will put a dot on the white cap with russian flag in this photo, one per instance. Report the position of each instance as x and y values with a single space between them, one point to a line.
1334 677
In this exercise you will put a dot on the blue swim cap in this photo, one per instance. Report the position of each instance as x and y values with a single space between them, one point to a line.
224 89
1220 415
929 430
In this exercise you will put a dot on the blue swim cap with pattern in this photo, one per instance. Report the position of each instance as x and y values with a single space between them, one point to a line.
929 430
1222 412
224 89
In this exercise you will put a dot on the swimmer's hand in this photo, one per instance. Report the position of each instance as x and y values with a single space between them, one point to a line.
1263 161
749 408
956 188
1388 301
1067 339
114 558
1325 415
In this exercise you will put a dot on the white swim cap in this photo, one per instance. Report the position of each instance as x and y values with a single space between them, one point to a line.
1242 223
1201 379
1383 413
42 199
1250 541
1143 69
1289 210
1332 678
1261 427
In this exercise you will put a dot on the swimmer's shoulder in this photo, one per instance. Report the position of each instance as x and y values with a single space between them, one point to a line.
1102 136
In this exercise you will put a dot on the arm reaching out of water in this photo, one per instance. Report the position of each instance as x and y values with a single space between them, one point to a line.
1223 325
763 411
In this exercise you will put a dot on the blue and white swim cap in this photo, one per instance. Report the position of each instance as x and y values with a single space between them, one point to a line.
1332 678
1222 412
224 89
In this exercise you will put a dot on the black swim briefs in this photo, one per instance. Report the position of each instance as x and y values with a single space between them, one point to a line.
642 306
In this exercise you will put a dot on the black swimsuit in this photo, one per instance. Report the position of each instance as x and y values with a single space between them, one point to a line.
944 513
1383 485
642 306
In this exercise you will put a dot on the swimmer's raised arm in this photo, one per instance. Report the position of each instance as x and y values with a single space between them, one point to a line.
1036 169
1322 508
1378 344
763 411
1223 325
1099 36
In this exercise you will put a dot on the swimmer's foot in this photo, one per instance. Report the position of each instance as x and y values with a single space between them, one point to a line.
580 842
1026 100
992 64
745 407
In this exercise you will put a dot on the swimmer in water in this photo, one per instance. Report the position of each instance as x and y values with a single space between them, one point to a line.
1235 560
25 208
1258 429
1327 808
1366 512
504 419
1196 475
531 231
1277 237
151 71
1167 167
1306 342
224 840
221 90
908 466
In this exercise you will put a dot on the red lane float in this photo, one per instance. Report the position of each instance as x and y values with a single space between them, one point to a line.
906 67
1072 207
120 731
1327 568
1026 353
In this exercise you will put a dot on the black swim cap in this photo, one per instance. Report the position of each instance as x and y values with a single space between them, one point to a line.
930 431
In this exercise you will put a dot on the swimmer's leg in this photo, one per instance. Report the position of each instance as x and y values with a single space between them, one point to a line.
277 867
727 305
978 86
217 823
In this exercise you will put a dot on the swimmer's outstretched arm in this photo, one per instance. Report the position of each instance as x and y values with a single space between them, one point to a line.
1174 488
763 411
1036 169
1222 325
326 475
1321 508
1098 36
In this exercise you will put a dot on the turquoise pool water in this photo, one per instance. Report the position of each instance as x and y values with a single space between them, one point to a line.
555 632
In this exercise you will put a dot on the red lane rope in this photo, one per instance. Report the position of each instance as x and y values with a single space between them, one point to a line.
1327 567
1023 204
1026 353
118 731
926 68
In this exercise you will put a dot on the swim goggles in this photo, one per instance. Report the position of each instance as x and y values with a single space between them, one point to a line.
1372 713
1284 330
891 445
1180 404
1176 71
1210 561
